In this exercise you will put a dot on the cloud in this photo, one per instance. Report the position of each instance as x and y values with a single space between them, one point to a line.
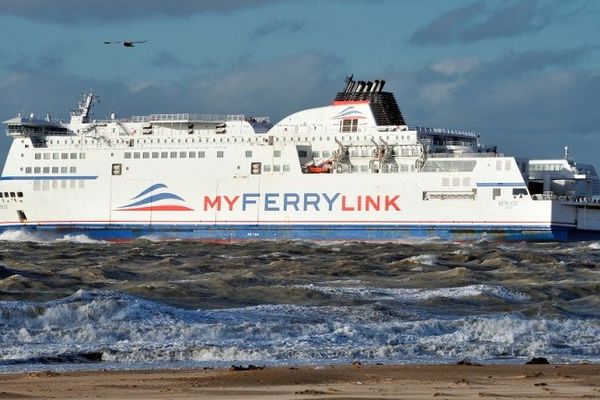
455 66
80 11
477 21
168 60
454 73
278 27
275 88
278 86
530 103
533 85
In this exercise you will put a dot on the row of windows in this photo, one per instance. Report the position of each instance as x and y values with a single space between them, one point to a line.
9 195
276 168
449 165
184 154
172 154
283 138
199 154
546 167
456 181
317 154
50 170
356 153
507 164
59 156
360 168
389 168
58 183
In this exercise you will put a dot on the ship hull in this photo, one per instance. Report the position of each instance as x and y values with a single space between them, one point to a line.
237 232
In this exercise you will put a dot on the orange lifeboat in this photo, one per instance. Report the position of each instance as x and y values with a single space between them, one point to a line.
314 169
323 168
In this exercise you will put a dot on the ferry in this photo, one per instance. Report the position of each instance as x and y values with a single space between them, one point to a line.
350 170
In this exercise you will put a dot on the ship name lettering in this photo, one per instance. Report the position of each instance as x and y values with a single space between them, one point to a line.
330 200
216 203
231 201
291 199
310 201
315 199
391 202
249 198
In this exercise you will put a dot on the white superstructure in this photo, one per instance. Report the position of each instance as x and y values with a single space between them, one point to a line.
350 170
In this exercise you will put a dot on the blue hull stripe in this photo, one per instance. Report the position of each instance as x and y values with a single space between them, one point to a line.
312 232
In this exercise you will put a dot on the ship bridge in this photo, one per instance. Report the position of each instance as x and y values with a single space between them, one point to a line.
563 178
442 140
35 129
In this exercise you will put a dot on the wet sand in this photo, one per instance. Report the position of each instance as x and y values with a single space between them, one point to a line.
329 382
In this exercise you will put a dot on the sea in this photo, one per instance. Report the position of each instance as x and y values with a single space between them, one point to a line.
72 303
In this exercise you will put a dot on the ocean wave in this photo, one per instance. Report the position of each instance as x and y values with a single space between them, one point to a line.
418 294
20 235
81 238
98 326
23 235
425 259
272 302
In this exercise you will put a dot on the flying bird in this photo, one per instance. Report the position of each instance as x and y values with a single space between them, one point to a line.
130 43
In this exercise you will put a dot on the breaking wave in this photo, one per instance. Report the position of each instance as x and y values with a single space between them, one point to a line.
415 295
68 302
100 326
22 235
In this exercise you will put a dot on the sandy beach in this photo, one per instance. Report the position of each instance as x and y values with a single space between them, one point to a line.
328 382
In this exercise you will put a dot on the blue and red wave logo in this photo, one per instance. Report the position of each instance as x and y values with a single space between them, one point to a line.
349 112
155 198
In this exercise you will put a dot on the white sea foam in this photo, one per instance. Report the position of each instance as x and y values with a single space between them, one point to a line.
417 294
127 329
81 238
19 235
22 235
159 238
425 259
594 245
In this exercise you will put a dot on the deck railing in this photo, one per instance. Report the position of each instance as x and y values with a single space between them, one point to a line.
568 199
456 132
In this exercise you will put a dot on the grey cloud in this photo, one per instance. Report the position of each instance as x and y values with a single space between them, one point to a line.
511 65
166 59
444 29
79 11
278 27
477 21
528 62
45 61
277 87
274 88
541 102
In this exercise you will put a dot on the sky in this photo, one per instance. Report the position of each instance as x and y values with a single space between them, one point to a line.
522 73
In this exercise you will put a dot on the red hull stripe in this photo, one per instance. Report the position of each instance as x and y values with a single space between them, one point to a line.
159 208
